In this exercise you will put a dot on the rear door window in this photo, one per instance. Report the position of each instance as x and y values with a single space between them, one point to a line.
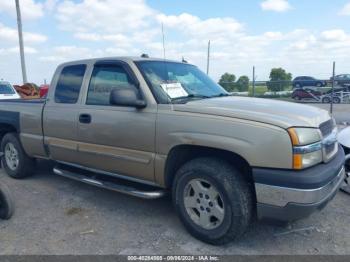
69 84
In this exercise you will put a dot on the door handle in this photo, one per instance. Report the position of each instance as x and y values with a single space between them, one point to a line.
85 118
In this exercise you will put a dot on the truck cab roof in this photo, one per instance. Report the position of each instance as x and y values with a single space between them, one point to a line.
126 59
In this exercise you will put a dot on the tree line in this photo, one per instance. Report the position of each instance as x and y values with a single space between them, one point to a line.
279 81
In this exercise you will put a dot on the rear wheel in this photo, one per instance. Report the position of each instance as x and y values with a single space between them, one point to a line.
336 100
15 161
213 200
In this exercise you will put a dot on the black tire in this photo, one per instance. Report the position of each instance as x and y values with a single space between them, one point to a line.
6 203
297 98
336 100
237 199
25 165
326 100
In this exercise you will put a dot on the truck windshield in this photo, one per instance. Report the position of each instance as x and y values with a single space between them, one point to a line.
6 89
173 82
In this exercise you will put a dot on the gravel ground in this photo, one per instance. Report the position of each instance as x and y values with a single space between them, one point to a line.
55 215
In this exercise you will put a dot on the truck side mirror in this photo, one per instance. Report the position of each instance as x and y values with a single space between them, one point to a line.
126 96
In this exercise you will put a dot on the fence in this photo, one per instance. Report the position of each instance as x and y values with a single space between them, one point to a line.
302 89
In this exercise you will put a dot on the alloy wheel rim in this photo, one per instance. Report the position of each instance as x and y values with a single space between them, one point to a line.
204 204
11 156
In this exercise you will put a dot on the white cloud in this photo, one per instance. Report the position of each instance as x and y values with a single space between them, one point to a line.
276 5
119 28
334 35
65 53
105 16
345 10
10 35
50 5
29 9
118 39
15 50
196 27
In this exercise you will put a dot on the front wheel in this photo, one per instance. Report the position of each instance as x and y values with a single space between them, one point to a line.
213 200
15 161
326 100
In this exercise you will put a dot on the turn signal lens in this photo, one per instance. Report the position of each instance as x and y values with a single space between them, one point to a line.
297 161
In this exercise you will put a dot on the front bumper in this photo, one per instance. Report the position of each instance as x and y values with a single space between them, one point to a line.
288 195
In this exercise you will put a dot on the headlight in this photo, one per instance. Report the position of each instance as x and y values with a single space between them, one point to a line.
307 147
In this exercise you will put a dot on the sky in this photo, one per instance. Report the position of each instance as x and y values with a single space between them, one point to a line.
303 37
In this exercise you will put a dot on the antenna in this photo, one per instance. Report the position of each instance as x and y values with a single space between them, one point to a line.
208 57
163 41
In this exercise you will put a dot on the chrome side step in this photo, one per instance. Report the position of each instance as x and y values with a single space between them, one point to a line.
150 193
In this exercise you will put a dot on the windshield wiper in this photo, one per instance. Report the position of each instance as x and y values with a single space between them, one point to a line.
221 95
189 97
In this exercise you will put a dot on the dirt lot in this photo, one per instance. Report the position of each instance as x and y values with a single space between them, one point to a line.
55 215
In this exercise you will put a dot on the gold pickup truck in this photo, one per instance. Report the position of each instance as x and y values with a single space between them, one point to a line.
146 127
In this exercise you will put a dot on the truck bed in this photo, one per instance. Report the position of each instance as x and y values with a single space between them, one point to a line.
25 118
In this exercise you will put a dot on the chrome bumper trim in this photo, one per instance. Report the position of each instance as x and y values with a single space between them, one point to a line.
281 196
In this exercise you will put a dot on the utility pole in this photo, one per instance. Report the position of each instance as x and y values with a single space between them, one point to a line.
20 38
163 38
253 81
333 82
208 57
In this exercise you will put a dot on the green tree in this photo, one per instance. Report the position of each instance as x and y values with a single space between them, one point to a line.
242 83
227 81
279 79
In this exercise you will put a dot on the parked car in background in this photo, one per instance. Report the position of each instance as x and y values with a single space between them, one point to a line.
300 93
302 81
343 79
7 91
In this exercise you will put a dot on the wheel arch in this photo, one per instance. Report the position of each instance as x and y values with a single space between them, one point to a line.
181 154
9 123
7 128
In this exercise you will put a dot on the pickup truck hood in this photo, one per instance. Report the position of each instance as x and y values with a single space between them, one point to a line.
274 112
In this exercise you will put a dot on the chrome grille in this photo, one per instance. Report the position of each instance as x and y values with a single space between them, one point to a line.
330 146
326 127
